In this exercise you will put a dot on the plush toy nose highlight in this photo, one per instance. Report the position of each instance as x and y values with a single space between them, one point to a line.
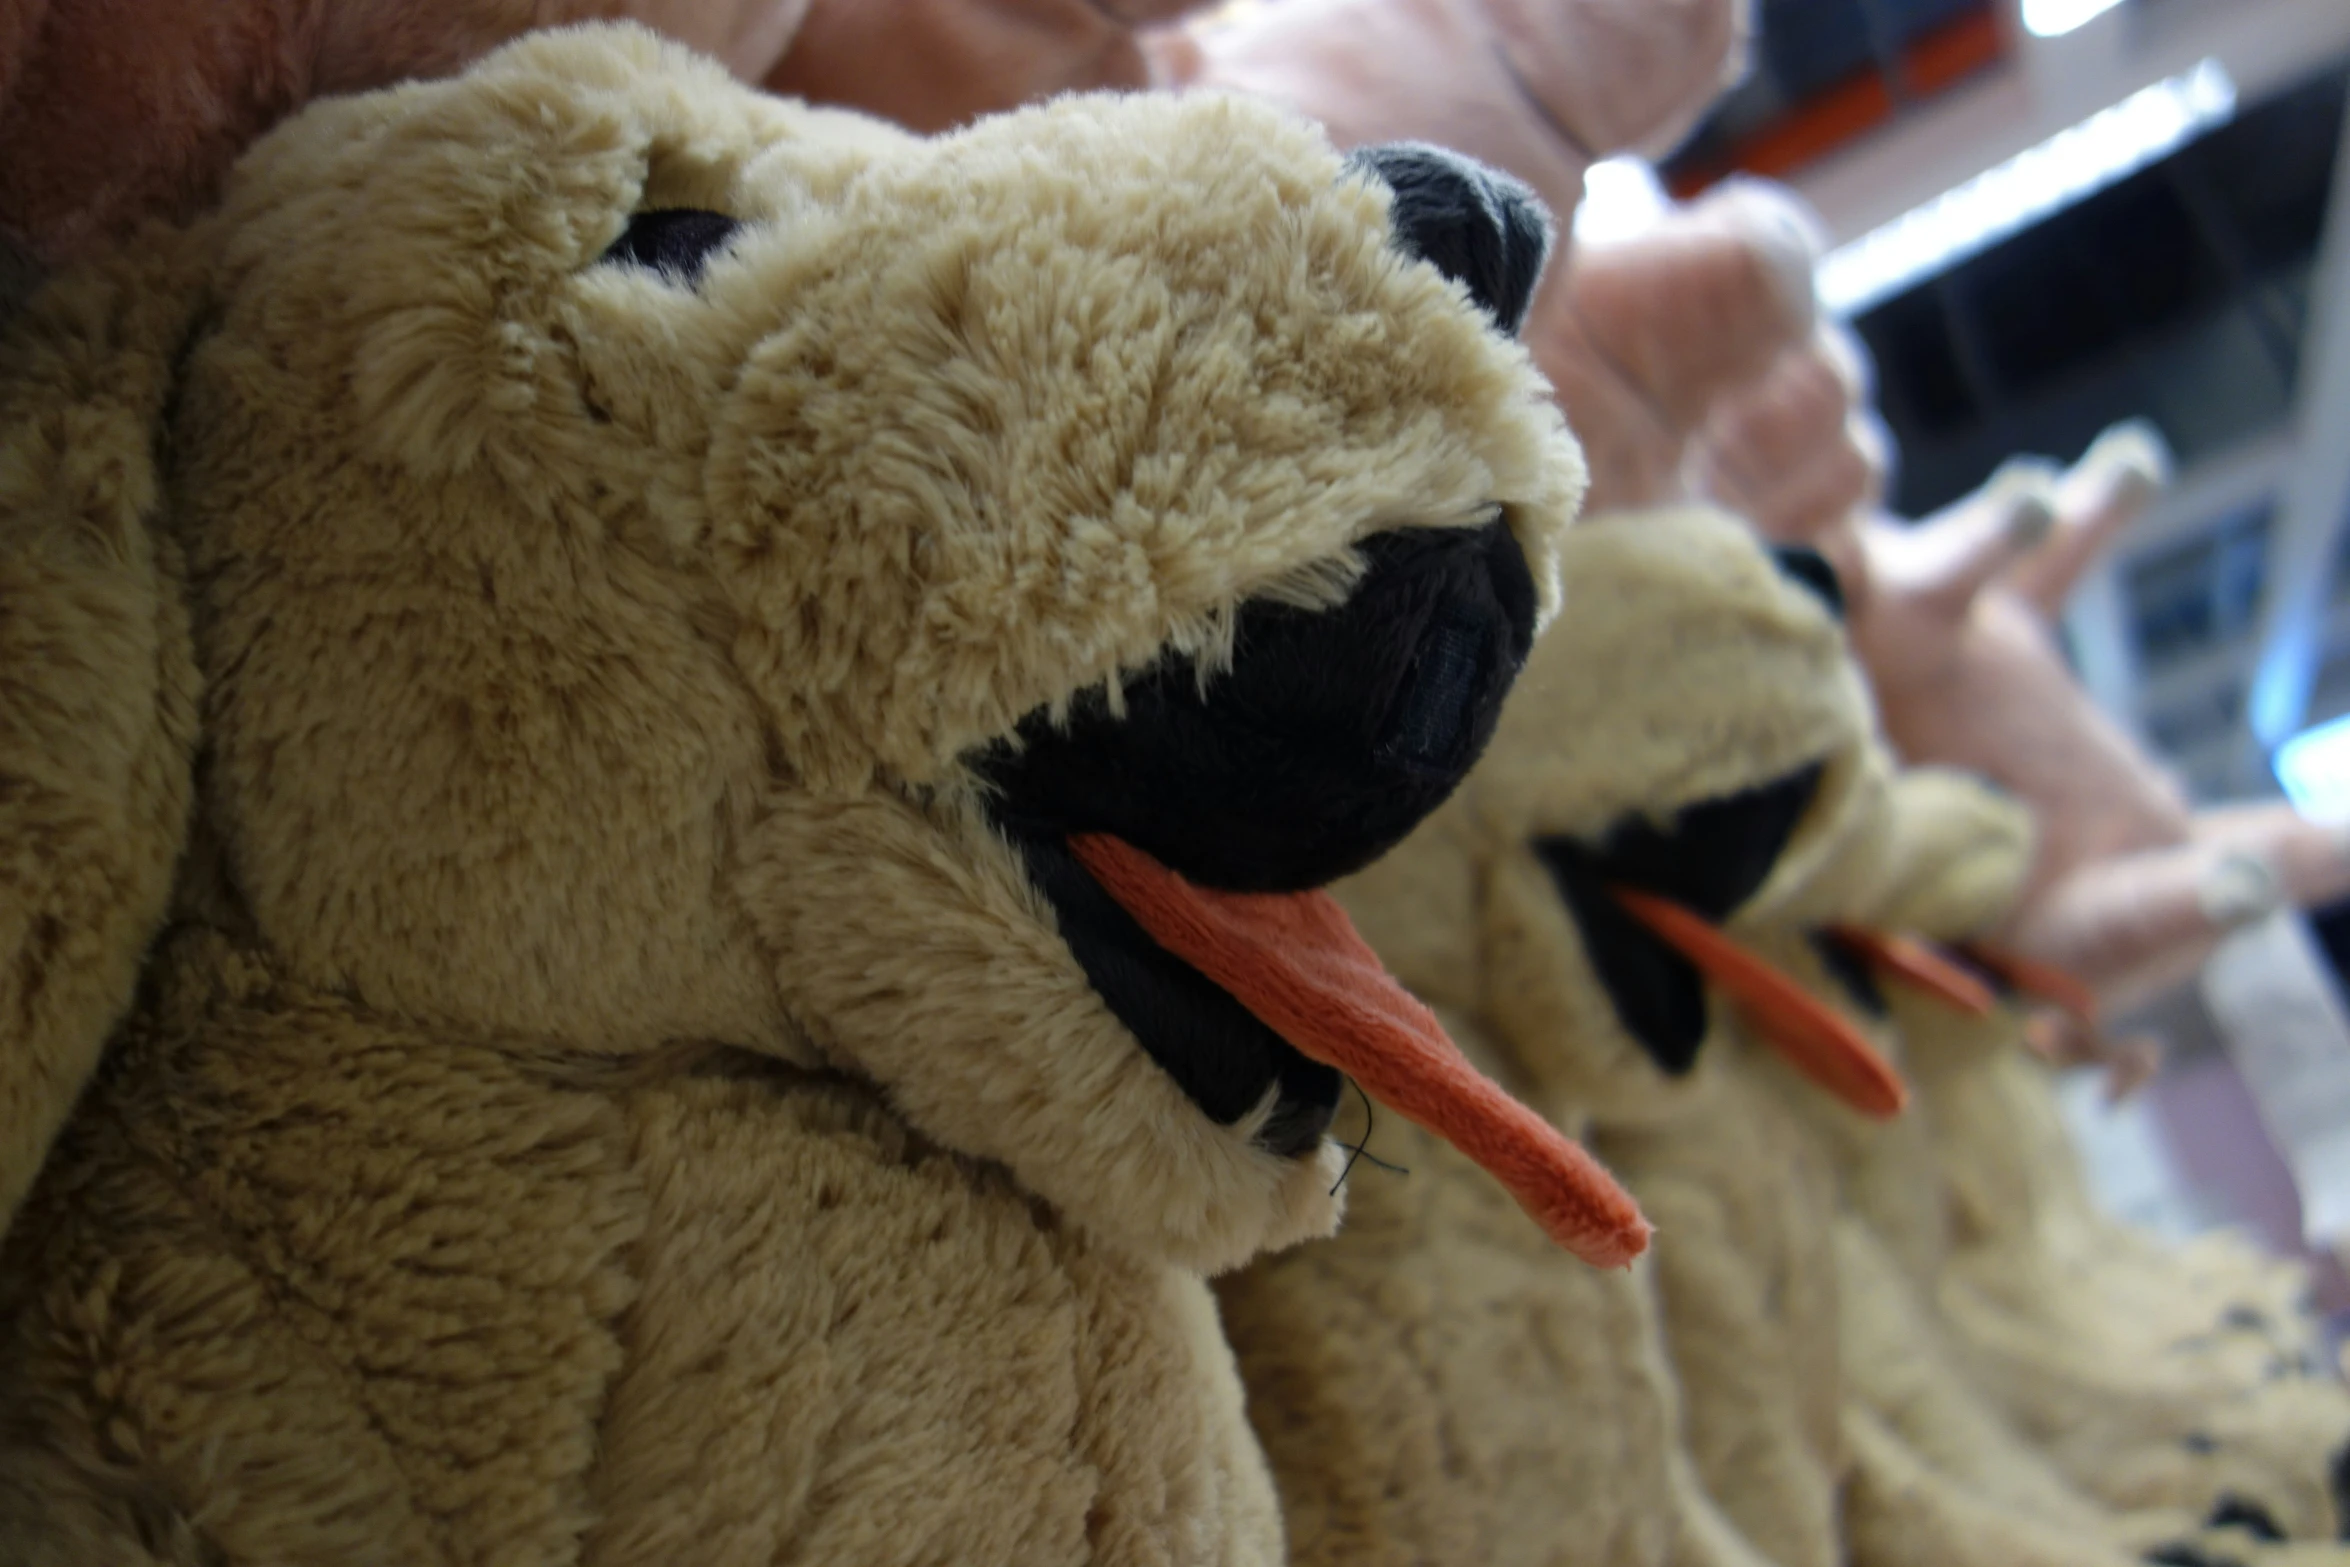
1477 226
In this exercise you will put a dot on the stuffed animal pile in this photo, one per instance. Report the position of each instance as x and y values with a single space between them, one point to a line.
1700 922
703 808
667 759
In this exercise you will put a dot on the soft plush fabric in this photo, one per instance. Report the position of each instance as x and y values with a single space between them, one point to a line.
1430 1385
1936 1473
2162 1380
116 110
511 628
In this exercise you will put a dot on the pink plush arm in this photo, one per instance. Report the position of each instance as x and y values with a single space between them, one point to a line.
113 111
2131 889
2132 925
1644 337
1799 454
932 64
1537 87
2135 924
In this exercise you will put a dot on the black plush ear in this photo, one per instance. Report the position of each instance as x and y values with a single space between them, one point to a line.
1476 225
98 689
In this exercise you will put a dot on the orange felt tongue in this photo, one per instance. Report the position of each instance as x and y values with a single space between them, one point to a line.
1295 960
2042 981
1915 963
1814 1039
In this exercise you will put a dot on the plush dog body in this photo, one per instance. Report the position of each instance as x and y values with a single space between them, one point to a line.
1428 1384
2051 1379
557 653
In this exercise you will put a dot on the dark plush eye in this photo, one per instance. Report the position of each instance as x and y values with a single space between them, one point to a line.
676 242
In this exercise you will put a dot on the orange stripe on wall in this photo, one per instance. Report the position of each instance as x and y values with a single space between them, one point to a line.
1932 64
1939 60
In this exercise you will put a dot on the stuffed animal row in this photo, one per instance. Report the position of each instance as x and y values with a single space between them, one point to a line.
669 764
1698 921
665 760
1431 1385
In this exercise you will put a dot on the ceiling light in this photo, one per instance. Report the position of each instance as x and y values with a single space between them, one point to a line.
2314 769
2055 18
2068 167
1621 197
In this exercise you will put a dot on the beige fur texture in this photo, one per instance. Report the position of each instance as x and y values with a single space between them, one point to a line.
1433 1385
1936 1473
2147 1377
605 1093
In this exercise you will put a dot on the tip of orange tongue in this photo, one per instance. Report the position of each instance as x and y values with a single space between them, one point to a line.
1915 963
1813 1038
2042 981
1296 961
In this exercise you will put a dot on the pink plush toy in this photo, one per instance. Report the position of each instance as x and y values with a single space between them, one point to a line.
1541 88
1800 454
1954 617
113 110
1647 338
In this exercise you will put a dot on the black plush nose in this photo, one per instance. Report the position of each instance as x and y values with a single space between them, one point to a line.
1475 225
1809 567
1329 737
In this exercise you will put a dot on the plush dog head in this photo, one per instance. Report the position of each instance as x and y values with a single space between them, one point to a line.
1885 929
1694 735
670 564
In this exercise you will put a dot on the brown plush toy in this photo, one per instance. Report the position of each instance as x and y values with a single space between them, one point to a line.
2170 1382
1429 1385
593 666
1937 1474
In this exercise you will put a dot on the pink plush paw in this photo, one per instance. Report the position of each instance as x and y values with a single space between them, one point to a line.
1644 338
1799 454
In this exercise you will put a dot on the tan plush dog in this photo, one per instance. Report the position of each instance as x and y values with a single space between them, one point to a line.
560 659
1937 1474
1429 1385
2168 1382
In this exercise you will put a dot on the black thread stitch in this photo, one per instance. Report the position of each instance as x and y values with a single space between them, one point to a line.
1362 1150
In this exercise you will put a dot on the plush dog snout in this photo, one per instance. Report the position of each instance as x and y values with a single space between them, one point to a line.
1477 226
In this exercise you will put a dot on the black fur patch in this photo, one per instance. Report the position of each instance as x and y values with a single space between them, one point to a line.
1851 971
1477 226
1333 734
1712 858
2237 1512
676 242
1801 563
2185 1553
2338 1482
1214 1047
